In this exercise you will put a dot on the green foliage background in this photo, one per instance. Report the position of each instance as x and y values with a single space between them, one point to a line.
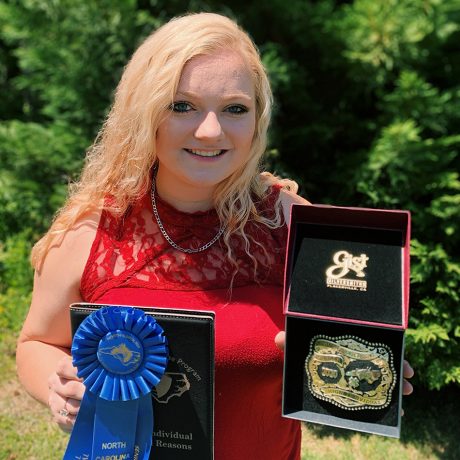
367 114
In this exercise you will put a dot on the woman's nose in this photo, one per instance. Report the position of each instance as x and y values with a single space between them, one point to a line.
209 127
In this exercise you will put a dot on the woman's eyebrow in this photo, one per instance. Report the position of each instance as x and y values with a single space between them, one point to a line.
225 97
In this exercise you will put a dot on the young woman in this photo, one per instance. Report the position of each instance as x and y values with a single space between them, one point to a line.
173 210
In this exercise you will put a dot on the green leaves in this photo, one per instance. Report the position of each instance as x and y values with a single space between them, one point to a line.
15 280
36 164
416 99
71 55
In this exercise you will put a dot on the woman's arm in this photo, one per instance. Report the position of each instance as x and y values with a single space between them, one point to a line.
42 356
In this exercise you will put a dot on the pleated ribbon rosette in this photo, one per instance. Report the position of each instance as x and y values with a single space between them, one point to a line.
121 354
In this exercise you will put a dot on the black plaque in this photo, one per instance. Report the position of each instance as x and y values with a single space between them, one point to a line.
183 402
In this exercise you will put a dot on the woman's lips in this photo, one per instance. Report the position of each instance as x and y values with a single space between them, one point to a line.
206 153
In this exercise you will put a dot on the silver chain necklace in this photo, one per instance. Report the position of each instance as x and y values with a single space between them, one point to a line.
165 234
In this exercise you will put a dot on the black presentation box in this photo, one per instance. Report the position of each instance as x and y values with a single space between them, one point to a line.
183 401
346 301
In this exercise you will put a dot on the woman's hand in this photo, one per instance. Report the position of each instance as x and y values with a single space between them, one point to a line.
65 394
408 372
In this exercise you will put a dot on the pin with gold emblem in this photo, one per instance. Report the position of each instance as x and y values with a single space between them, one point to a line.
344 262
350 372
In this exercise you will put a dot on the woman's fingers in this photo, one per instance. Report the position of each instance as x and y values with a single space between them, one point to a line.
63 413
66 369
65 422
280 340
407 388
73 406
59 402
408 372
66 388
71 389
65 393
68 423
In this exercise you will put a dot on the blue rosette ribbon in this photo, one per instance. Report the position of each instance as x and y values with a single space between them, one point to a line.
121 354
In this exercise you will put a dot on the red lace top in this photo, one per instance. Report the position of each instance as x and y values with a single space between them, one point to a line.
131 263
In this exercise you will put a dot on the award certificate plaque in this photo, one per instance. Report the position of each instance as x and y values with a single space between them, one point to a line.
183 401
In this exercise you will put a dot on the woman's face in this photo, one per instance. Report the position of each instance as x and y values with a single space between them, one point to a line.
209 129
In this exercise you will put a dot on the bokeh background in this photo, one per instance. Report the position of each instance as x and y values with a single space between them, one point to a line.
367 114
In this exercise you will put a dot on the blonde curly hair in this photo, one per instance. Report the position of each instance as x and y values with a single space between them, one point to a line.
120 161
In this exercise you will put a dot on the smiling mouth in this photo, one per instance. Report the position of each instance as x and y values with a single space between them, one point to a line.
206 153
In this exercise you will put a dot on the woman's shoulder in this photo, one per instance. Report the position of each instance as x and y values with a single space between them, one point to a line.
71 249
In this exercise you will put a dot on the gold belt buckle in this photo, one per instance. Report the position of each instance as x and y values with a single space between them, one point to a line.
350 372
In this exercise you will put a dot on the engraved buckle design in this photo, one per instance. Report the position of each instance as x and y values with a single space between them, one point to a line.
350 372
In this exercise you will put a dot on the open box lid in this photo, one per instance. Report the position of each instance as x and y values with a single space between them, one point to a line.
348 264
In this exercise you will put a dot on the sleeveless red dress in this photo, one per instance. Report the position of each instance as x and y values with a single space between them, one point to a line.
131 263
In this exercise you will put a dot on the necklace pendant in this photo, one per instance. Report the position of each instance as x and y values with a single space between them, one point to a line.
165 233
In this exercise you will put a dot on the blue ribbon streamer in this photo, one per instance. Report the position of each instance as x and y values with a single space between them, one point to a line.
121 353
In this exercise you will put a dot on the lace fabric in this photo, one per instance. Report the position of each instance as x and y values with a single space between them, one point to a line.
132 252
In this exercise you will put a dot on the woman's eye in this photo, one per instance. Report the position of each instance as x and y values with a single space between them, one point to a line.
237 109
180 107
